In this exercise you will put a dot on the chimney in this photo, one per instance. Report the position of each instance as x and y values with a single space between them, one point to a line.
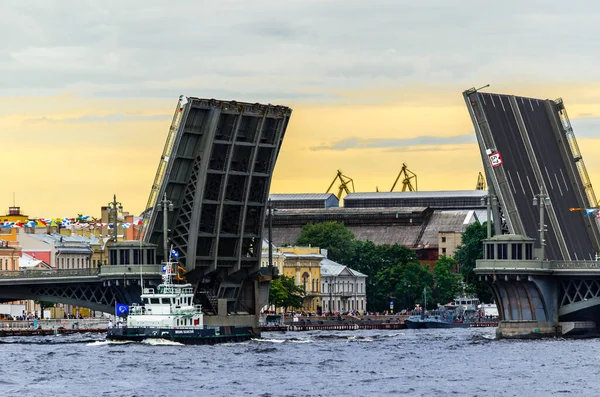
324 252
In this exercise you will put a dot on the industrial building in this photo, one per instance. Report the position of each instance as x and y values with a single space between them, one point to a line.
304 200
450 199
431 223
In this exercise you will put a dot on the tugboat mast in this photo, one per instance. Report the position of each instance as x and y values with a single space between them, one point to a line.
166 205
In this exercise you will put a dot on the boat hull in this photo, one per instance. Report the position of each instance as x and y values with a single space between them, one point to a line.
410 324
204 336
441 324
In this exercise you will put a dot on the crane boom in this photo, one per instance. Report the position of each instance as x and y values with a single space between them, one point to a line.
406 181
480 182
345 184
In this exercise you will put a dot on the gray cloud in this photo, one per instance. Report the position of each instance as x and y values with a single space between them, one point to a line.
110 118
281 49
395 144
586 127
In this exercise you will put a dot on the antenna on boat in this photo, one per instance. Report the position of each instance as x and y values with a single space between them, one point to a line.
140 257
166 205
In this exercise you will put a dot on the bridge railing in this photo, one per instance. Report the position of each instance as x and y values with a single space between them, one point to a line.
130 270
575 264
120 270
49 273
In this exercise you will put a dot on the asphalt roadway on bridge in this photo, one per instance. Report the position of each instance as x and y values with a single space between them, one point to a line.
519 166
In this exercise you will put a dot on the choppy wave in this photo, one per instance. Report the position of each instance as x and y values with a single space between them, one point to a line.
160 342
109 342
332 363
268 340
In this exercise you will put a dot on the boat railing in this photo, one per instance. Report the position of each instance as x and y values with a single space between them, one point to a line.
188 309
175 290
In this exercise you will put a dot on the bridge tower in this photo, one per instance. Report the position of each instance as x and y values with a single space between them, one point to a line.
216 169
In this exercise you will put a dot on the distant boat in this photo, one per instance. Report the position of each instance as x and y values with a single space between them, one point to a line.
457 314
415 322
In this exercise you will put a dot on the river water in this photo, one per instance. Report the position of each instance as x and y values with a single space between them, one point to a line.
443 362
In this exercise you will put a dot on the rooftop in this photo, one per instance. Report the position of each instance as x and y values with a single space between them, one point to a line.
423 194
330 268
54 238
350 211
301 196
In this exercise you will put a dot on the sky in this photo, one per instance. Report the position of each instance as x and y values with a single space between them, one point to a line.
88 89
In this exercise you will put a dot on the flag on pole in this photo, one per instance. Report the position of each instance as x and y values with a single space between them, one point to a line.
121 309
174 253
589 211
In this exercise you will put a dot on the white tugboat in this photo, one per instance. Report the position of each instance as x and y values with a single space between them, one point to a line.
170 313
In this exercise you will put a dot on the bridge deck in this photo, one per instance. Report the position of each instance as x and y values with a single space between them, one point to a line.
531 140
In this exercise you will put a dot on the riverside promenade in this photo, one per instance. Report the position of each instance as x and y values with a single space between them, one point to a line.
52 326
347 323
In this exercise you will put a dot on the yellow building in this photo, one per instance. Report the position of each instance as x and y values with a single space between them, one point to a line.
14 215
448 242
9 234
303 264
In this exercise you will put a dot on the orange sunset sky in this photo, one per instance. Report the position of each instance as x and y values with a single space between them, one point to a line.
85 106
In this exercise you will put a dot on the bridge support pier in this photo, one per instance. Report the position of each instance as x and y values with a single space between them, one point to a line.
527 329
527 306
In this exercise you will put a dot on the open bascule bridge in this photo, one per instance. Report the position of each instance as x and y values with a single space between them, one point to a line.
542 262
213 180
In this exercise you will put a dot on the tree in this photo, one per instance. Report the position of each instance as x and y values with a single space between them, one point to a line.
467 253
44 305
384 266
402 283
448 283
416 278
285 293
333 236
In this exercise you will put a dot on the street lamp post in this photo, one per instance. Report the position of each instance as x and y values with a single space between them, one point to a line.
115 208
329 283
407 287
165 205
489 200
542 200
270 214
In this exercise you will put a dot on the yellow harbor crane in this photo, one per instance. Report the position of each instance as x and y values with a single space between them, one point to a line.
345 184
480 182
406 179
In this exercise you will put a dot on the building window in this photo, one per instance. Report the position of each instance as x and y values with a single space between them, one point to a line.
443 239
529 251
490 251
305 277
444 251
502 251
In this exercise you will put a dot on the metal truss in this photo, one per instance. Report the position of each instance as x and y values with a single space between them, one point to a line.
578 290
100 296
181 231
96 294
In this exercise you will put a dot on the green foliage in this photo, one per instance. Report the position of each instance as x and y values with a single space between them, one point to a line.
417 277
285 293
373 260
448 283
467 253
44 305
402 283
393 271
333 236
